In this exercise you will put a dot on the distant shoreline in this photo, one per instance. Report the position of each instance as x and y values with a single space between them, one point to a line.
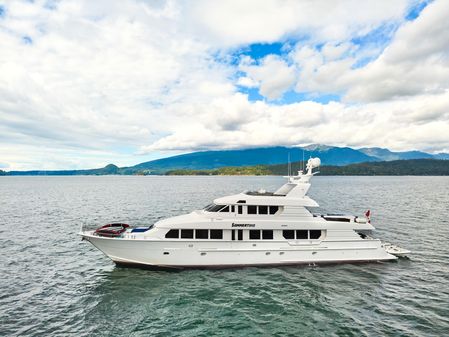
411 167
218 175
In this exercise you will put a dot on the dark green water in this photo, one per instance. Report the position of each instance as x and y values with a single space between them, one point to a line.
51 283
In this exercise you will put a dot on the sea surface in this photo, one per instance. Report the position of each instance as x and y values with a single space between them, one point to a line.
53 284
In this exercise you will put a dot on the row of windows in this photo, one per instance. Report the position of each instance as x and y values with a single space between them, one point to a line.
301 234
262 209
201 234
254 234
251 209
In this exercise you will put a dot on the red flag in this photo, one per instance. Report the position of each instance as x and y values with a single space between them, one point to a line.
368 213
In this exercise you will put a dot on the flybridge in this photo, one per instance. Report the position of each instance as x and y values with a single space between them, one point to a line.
293 192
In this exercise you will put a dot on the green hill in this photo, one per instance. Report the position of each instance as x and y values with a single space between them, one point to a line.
271 160
417 167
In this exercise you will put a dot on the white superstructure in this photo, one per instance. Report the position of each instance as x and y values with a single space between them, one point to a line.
250 229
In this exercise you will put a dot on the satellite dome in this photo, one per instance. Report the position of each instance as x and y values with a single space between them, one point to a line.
314 162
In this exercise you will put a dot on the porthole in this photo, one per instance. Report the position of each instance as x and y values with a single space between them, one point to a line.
166 253
281 253
202 254
267 253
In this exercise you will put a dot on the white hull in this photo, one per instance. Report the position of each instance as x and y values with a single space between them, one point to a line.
225 254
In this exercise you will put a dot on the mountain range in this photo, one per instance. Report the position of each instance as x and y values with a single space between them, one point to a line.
206 160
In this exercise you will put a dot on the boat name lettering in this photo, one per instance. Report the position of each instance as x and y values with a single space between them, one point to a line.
243 225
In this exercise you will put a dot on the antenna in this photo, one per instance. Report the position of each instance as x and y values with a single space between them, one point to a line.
303 164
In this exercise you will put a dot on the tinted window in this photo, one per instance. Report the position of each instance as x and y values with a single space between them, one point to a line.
315 234
201 234
214 208
263 209
288 234
301 235
254 234
233 234
216 234
241 201
240 234
186 233
172 234
225 209
232 208
252 209
273 209
240 209
267 234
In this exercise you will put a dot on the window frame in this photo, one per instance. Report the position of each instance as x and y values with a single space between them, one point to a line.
269 233
254 231
172 230
301 230
288 230
315 230
186 230
202 230
225 209
216 231
214 208
250 209
271 208
266 208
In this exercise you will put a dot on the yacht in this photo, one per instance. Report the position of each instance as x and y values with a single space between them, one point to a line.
248 229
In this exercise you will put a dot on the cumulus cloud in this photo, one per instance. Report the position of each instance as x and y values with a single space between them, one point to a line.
247 82
273 74
415 62
392 124
87 83
238 22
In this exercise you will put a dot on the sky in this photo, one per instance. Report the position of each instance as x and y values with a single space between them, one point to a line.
86 83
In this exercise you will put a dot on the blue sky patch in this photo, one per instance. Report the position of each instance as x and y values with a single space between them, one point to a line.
292 96
416 10
379 36
260 50
375 41
253 94
324 99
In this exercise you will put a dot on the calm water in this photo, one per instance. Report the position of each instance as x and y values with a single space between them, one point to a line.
51 283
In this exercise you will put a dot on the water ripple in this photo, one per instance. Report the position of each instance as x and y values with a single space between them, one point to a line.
53 284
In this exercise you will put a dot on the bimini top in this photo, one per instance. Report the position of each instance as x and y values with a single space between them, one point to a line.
292 193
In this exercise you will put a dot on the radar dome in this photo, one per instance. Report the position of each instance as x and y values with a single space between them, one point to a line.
314 162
